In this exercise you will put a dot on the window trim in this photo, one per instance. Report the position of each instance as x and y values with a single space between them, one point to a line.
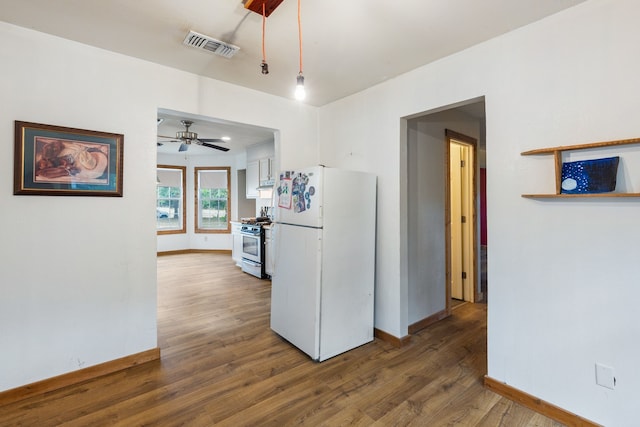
196 199
183 230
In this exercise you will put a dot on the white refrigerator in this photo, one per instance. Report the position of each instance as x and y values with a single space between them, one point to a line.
324 236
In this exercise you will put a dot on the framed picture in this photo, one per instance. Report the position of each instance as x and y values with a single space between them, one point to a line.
58 161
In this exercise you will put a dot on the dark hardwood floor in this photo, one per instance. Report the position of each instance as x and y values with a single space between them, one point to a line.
222 365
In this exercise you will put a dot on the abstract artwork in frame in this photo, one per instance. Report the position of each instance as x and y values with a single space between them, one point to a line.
59 161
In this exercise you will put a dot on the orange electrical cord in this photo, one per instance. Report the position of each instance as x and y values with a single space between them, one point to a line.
264 21
300 35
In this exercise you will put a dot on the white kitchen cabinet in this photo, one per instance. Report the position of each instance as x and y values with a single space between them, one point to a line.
236 250
253 179
267 174
268 252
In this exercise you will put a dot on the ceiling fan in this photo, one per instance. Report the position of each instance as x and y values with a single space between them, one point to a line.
187 137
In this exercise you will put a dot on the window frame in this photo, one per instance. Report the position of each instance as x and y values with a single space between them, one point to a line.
196 197
183 229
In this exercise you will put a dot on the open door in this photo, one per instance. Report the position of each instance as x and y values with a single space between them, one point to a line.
461 217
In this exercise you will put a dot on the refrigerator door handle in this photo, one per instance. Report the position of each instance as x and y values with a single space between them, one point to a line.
273 248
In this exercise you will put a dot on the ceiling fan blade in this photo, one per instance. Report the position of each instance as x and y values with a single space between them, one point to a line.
168 137
211 140
217 147
183 147
160 144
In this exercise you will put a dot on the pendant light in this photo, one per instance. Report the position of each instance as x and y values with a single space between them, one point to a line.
264 65
300 93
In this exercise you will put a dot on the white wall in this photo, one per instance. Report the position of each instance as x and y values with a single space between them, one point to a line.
245 207
562 273
78 284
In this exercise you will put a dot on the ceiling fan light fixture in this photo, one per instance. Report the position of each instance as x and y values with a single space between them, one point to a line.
186 135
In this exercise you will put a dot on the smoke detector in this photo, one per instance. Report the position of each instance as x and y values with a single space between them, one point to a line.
200 41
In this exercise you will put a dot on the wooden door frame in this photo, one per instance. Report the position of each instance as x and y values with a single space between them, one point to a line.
455 136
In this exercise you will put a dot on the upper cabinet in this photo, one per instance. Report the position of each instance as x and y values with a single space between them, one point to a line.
267 174
261 169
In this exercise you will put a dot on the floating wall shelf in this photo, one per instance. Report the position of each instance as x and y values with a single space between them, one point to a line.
557 154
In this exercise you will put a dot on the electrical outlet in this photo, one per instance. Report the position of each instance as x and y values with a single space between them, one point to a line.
605 376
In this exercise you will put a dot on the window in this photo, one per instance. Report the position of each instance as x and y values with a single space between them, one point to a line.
170 199
212 199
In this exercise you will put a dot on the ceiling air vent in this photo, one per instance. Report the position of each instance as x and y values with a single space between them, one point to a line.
200 41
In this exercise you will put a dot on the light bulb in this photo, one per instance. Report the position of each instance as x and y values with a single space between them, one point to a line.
300 92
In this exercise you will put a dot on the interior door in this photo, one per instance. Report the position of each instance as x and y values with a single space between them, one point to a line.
455 182
468 223
462 220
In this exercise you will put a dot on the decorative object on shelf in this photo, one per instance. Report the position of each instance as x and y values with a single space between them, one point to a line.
60 161
590 176
586 178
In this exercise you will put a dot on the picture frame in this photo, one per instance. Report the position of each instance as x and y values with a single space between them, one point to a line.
60 161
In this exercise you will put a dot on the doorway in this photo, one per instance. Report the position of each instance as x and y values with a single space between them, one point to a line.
461 223
425 231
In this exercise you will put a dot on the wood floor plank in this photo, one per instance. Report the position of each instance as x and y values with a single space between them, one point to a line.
222 365
352 417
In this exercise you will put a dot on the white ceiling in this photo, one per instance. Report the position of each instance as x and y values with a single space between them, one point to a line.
347 45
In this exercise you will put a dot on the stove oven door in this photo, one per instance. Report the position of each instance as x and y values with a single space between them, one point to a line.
251 249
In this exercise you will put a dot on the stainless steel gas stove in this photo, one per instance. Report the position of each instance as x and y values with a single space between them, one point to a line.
253 249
